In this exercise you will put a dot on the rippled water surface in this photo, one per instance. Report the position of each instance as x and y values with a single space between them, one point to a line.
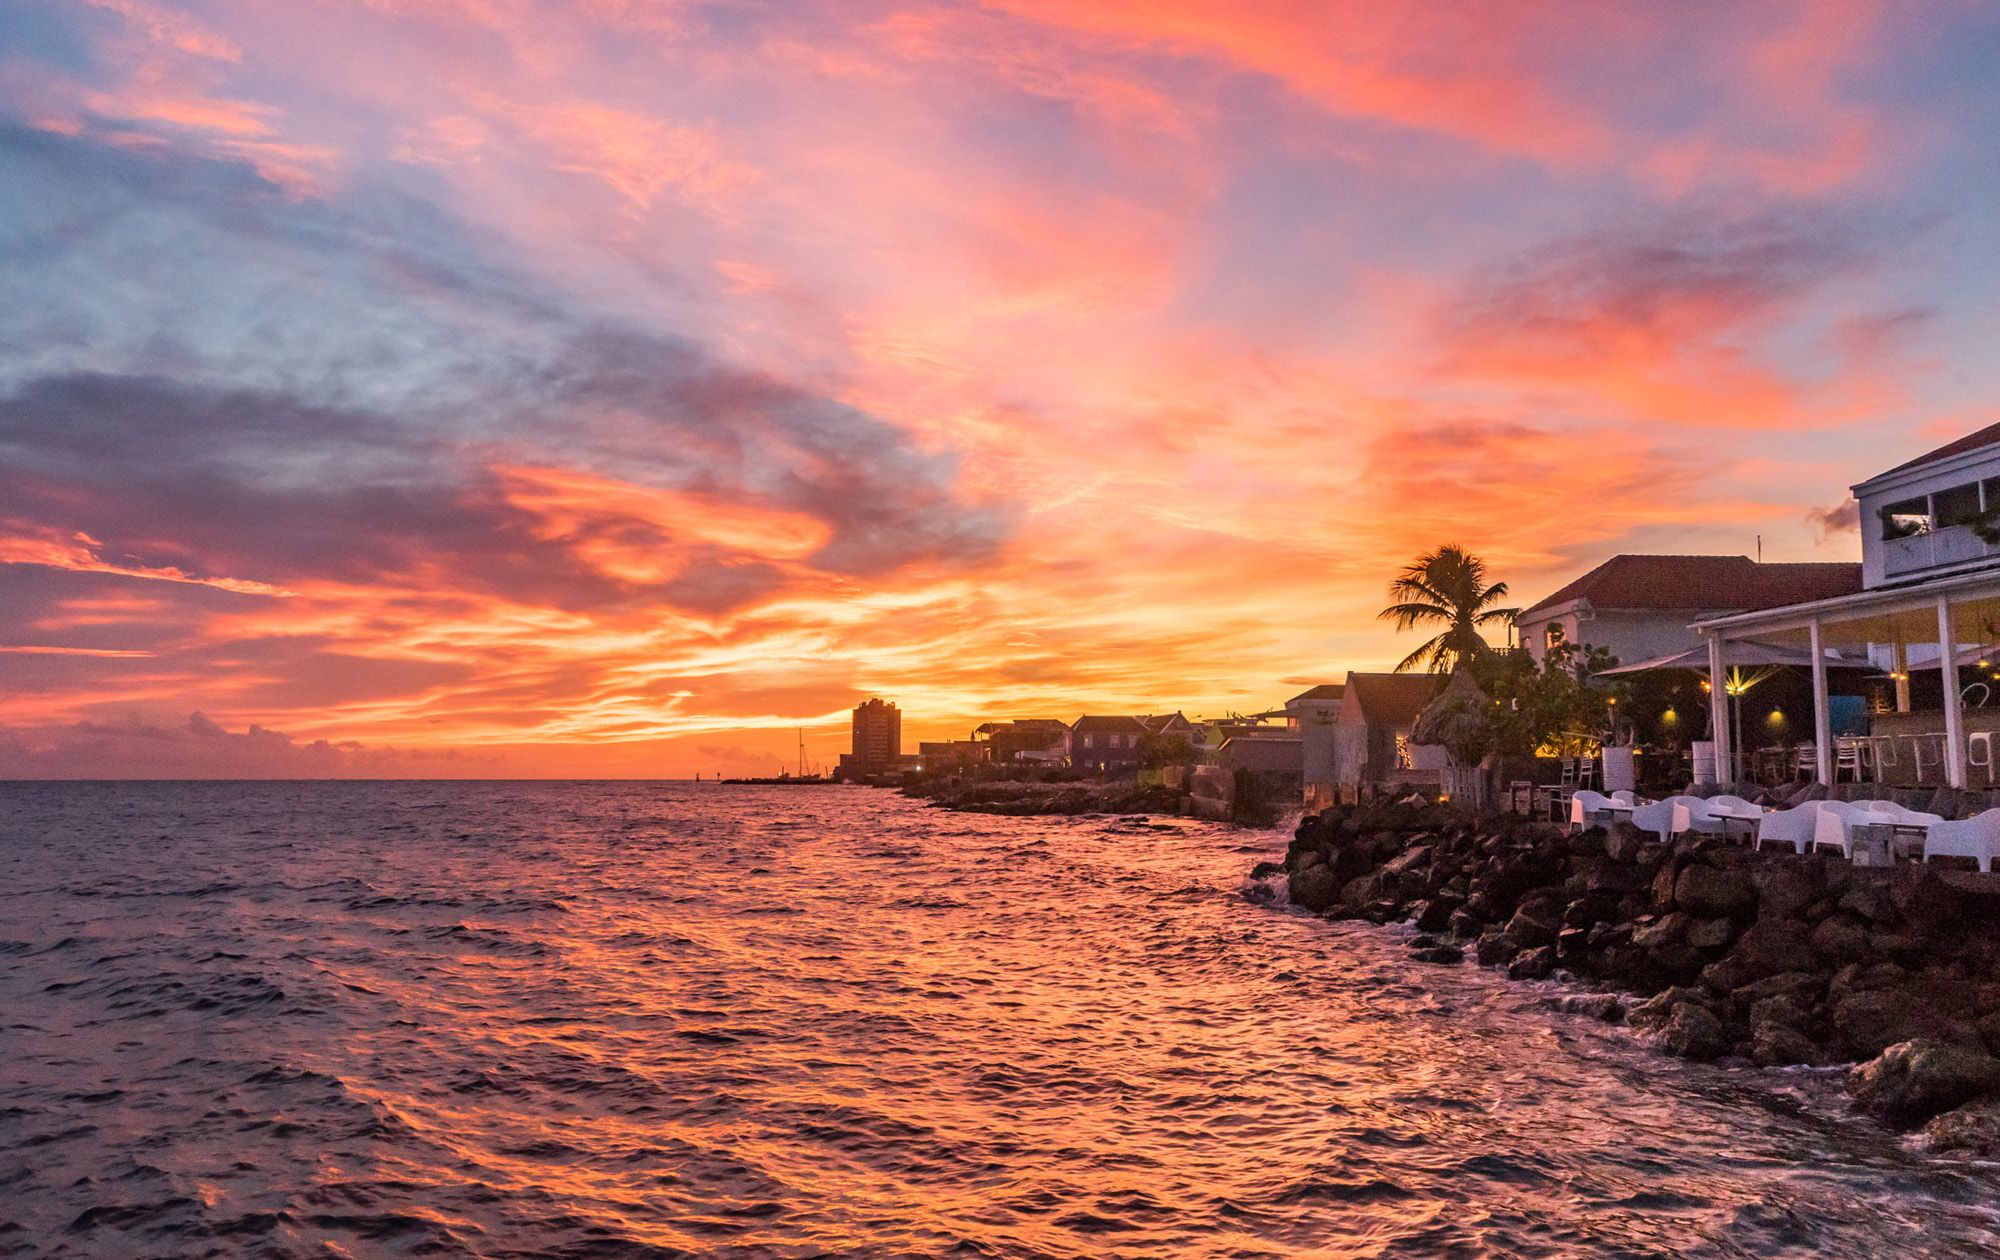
640 1019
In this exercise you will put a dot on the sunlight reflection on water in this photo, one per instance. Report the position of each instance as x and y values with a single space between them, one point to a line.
641 1019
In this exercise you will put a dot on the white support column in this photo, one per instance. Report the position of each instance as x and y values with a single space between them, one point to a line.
1822 717
1718 712
1954 717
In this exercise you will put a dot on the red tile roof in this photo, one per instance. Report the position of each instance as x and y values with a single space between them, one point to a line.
1325 691
1714 583
1392 700
1128 725
1988 436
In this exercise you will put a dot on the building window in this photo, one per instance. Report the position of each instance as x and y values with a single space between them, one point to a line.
1906 519
1553 637
1403 761
1956 506
1086 741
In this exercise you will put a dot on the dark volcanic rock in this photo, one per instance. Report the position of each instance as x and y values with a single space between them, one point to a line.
1533 964
1840 939
1316 888
1769 947
1913 1080
1710 933
1667 929
1710 893
1973 1129
1785 889
1871 1021
1601 1006
1692 1032
1656 1010
1441 954
1776 1046
1495 947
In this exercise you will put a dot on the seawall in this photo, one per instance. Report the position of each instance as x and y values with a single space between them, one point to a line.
1769 958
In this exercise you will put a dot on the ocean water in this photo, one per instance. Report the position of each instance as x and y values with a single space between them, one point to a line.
520 1019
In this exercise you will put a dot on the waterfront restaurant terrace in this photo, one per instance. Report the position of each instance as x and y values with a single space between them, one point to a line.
1928 619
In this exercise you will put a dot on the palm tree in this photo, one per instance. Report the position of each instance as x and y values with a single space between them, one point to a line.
1446 588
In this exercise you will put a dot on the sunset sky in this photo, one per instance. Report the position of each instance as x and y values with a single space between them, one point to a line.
498 387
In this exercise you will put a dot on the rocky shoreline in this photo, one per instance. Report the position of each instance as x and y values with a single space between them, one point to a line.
1768 958
1022 798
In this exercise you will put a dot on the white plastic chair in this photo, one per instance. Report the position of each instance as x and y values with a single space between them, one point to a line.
1584 803
1834 827
1666 819
1850 754
1625 796
1977 837
1795 826
1698 817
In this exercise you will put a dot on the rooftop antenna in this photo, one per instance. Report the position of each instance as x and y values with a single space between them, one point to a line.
1760 549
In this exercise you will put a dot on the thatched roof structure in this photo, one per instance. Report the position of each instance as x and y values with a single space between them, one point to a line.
1460 719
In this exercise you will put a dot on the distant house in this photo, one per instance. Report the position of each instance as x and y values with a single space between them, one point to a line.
1023 740
1105 746
1371 742
1272 753
1641 607
1175 723
946 756
1315 714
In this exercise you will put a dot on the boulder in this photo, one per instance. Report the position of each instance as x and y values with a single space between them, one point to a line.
1412 859
1622 841
1914 1080
1973 1129
1785 889
1495 947
1840 939
1315 888
1601 1006
1532 926
1709 893
1665 930
1443 955
1435 915
1988 1028
1711 933
1533 964
1658 1009
1773 1045
1771 946
1780 1010
1870 1021
1464 924
1692 1032
1803 987
1361 892
1664 882
1869 898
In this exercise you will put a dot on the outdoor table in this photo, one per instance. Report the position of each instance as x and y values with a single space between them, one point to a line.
1729 816
1881 843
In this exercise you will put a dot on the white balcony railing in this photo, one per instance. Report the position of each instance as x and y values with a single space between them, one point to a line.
1938 549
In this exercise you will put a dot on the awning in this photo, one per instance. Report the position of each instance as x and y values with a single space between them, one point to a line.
1740 652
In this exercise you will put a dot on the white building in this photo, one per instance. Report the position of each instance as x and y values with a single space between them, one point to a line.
1639 607
1929 607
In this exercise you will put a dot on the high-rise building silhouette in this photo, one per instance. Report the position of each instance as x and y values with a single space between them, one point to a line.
878 738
